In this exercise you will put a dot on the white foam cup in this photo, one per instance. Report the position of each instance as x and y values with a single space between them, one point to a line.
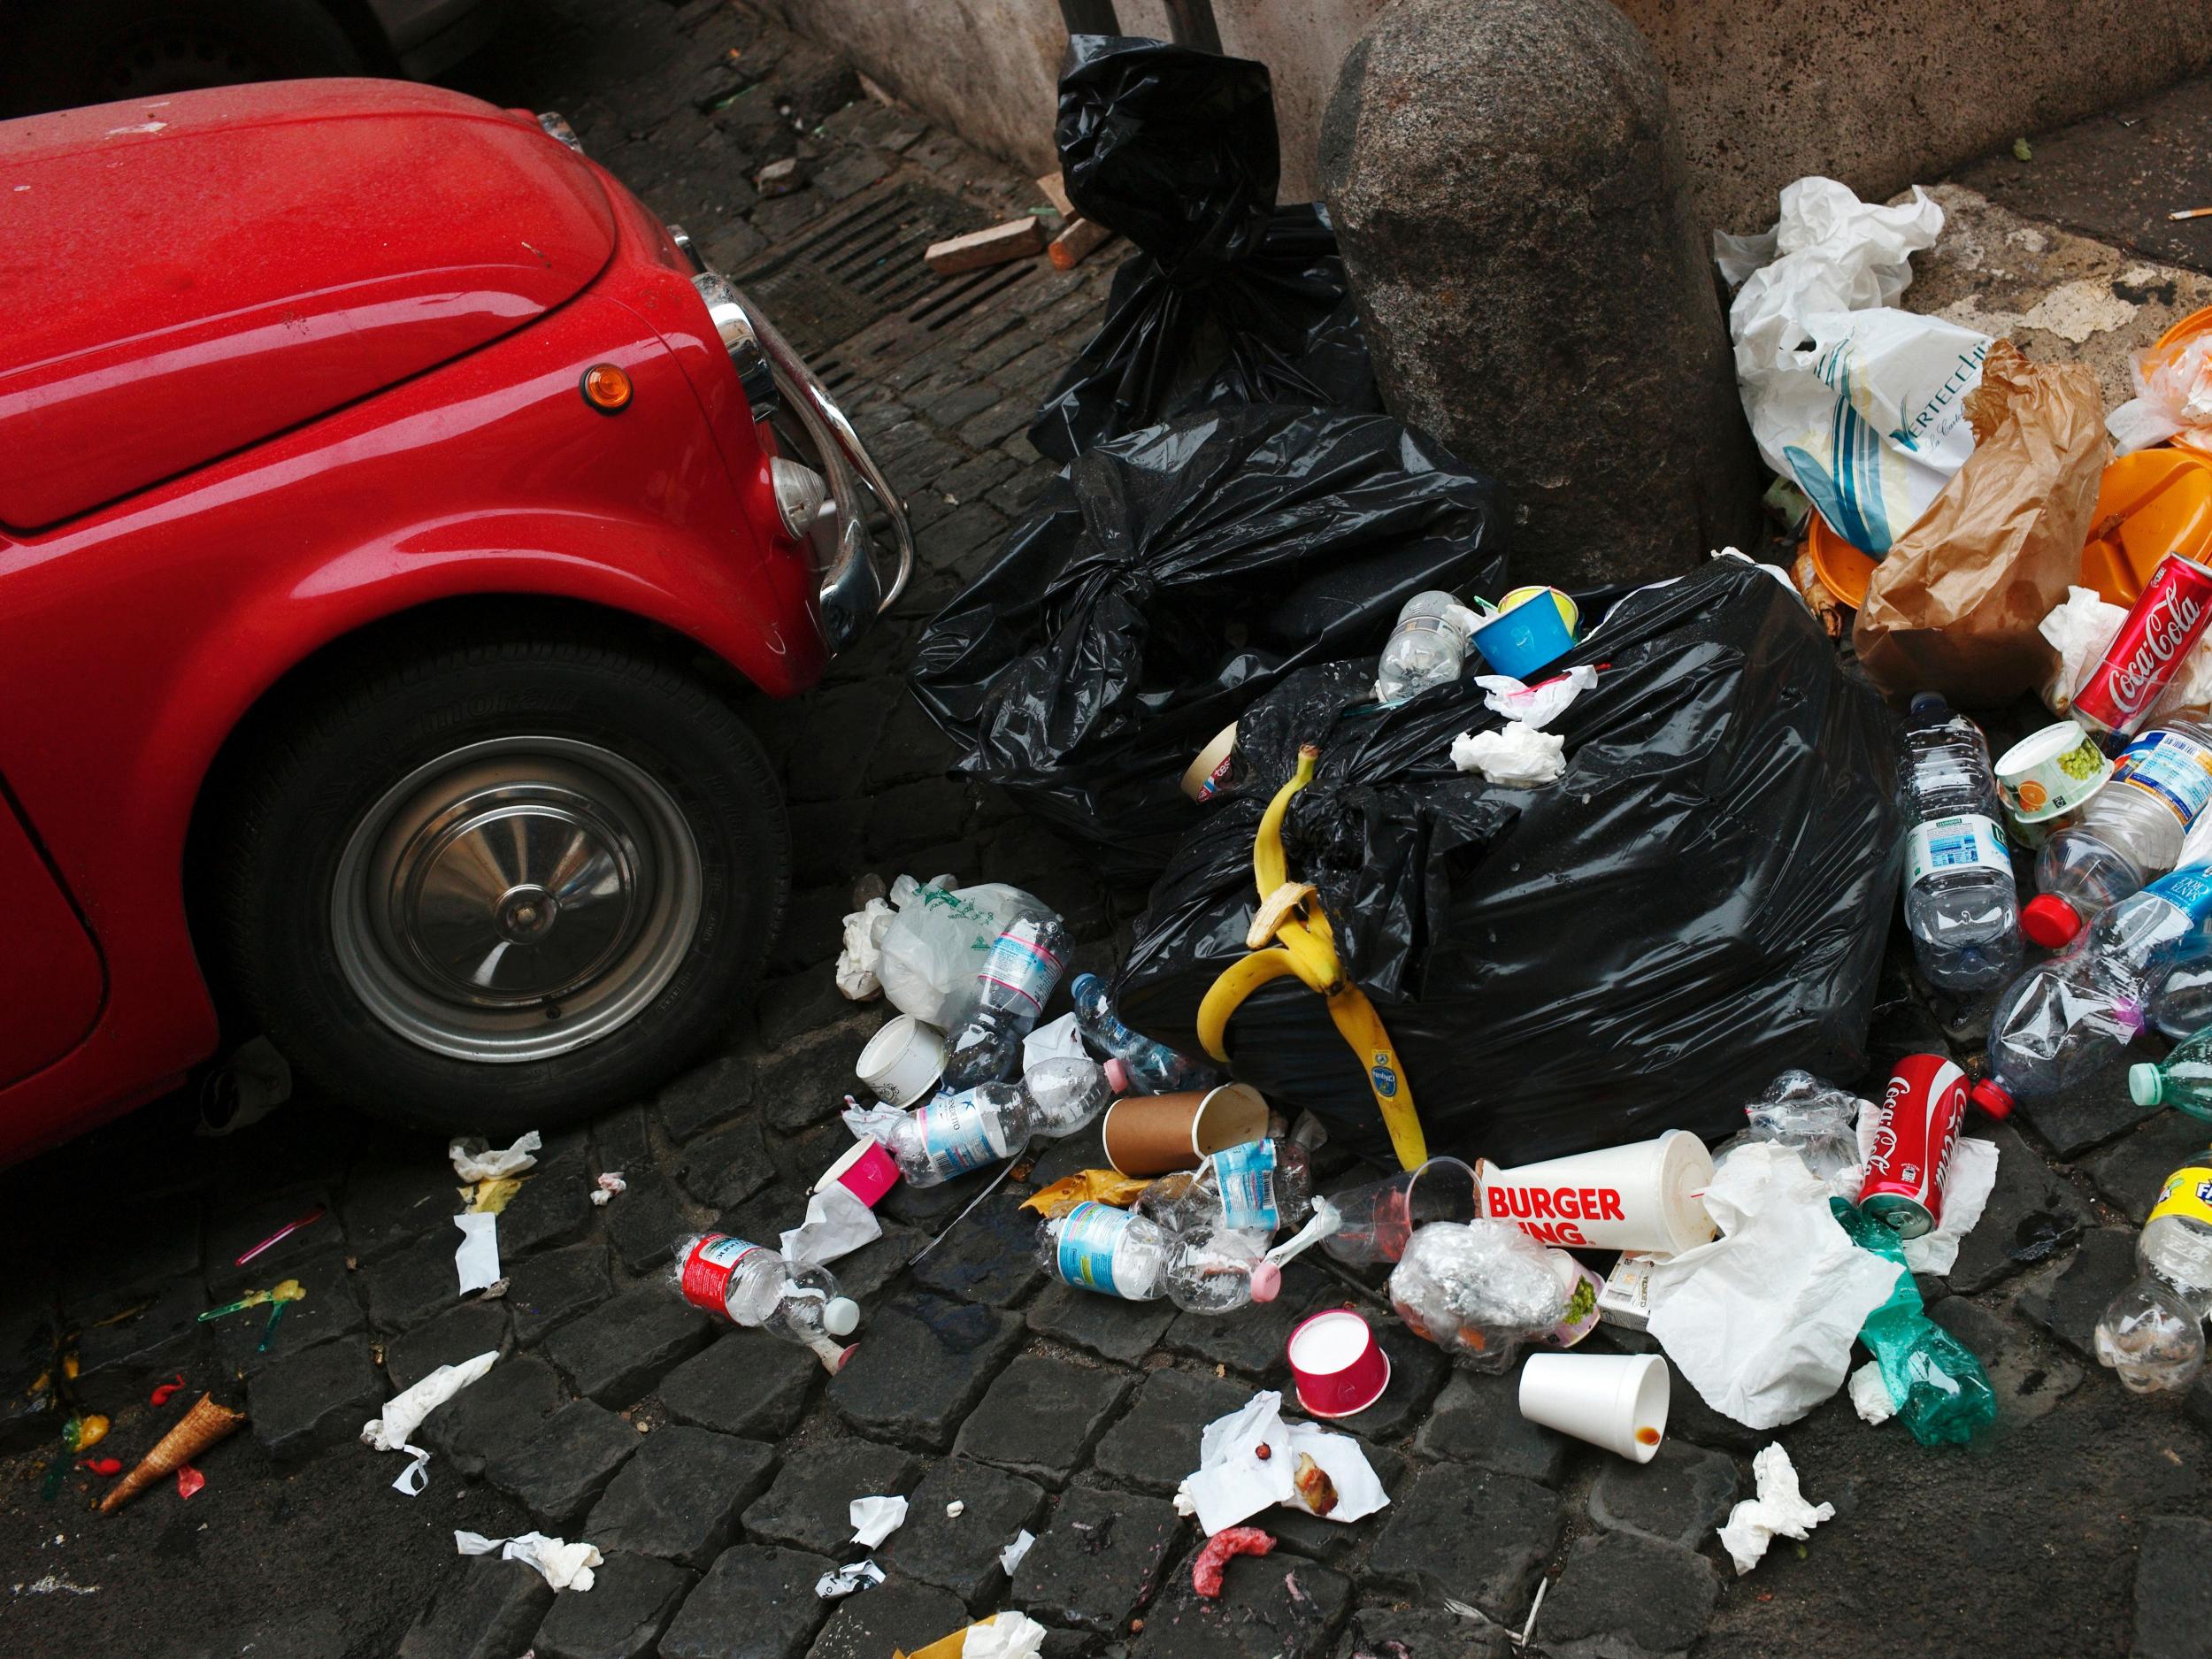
902 1061
1645 1196
1614 1401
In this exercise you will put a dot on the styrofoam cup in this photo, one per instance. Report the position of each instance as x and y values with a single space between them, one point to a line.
1646 1196
1614 1401
902 1061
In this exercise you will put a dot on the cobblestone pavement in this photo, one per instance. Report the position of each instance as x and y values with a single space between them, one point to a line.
714 1467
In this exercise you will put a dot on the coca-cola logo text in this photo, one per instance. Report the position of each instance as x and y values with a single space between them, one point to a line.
2168 623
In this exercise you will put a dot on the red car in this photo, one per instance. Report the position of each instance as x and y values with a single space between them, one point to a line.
393 516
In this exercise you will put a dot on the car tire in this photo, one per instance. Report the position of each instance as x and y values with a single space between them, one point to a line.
69 52
497 887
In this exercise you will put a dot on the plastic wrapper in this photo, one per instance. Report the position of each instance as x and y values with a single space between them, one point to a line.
1698 902
932 949
1481 1289
1230 299
2173 398
1937 1385
1169 579
1816 1120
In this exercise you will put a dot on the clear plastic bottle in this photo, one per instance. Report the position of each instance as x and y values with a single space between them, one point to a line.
953 1132
2182 1080
1213 1269
1145 1067
2131 831
2182 1004
2061 1020
1008 995
1117 1252
1427 647
1961 907
2152 1332
1066 1093
1260 1188
755 1286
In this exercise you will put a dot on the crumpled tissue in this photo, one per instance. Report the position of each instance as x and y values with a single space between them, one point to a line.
477 1257
875 1519
1779 1509
1540 704
1965 1194
1870 1394
837 1225
1761 1321
860 1575
2083 628
856 962
1005 1636
1519 756
565 1566
607 1186
2173 399
1233 1483
404 1411
473 1161
1055 1040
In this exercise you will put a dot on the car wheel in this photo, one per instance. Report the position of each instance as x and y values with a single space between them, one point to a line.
100 52
500 888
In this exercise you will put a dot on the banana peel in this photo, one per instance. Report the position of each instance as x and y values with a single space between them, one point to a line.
1290 934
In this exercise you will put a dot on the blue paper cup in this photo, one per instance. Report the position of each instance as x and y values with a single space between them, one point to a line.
1526 640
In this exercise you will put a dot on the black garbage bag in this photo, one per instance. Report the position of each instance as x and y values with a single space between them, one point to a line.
1698 902
1231 299
1171 576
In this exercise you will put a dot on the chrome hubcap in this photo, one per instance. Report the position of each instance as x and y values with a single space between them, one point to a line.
516 899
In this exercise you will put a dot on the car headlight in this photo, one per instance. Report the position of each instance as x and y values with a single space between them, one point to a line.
735 330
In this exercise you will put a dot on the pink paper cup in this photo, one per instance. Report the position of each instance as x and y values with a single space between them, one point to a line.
1336 1364
867 1171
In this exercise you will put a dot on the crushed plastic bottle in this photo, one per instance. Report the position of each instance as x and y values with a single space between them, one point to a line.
1143 1066
1961 907
2152 1332
1261 1186
1066 1093
1114 1252
2131 831
2182 1004
1937 1385
755 1286
1427 647
1007 998
1814 1119
1481 1289
1213 1269
952 1134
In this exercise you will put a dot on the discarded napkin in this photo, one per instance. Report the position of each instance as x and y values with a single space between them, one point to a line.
1005 1636
476 1259
607 1186
1233 1482
858 962
472 1161
1519 756
404 1411
860 1575
1761 1320
1010 1557
837 1224
875 1519
1055 1040
1870 1394
1780 1507
565 1566
1538 705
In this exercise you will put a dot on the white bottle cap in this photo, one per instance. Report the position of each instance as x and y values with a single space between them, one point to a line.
841 1315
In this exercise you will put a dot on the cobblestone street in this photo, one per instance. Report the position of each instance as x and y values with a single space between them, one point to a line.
713 1467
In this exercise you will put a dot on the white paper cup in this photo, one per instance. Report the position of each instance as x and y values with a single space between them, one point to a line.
1639 1197
902 1061
1614 1401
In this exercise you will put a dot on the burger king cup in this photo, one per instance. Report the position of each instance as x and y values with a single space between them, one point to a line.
1336 1364
902 1061
1614 1401
1648 1196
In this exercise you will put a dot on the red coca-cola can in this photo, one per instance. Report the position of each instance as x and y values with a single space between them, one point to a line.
2169 616
1914 1138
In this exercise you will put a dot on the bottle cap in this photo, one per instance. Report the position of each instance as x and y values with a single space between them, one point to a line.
1116 1077
1992 1098
2049 921
841 1315
1267 1282
2145 1085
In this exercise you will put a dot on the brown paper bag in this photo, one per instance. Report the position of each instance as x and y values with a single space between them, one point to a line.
1954 606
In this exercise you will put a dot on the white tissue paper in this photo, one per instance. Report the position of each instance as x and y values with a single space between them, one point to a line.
1233 1483
607 1186
2173 394
1540 704
565 1566
472 1161
1005 1636
1055 1040
477 1258
1965 1194
864 950
1870 1394
1010 1557
861 1574
2083 628
837 1225
1761 1321
1779 1509
875 1519
404 1411
1519 756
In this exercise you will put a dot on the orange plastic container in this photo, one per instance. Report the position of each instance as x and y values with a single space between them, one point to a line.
1843 570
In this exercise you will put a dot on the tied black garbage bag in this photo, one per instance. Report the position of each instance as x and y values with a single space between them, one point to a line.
1231 300
1698 904
1171 576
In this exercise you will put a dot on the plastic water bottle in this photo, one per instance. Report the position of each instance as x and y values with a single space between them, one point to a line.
2131 831
1115 1252
1213 1269
1138 1065
955 1132
2183 1079
1259 1187
1010 992
1066 1093
1960 905
757 1288
2182 1004
1427 647
2061 1019
2153 1331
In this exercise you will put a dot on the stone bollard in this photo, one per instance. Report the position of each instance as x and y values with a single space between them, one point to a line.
1511 201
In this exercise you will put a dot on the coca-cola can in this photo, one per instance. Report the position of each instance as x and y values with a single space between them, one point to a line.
2168 617
1914 1138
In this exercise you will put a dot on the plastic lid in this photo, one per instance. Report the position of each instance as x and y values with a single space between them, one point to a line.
1116 1077
2145 1085
841 1315
1267 1282
1992 1098
2049 921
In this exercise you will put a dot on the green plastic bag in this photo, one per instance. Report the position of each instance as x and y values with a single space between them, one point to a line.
1941 1389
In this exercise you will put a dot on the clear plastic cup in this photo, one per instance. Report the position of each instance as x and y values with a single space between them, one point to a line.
1379 1219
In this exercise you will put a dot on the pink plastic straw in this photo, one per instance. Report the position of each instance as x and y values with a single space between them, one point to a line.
280 1235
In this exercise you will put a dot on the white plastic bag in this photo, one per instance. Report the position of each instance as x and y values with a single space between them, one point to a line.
863 945
1863 406
2173 396
938 939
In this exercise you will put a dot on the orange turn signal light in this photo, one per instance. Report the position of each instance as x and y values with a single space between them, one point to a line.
607 388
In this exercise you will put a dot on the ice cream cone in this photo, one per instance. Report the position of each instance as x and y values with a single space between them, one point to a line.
198 1429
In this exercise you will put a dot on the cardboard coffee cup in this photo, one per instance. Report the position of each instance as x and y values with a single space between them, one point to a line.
1614 1401
1158 1134
1639 1197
